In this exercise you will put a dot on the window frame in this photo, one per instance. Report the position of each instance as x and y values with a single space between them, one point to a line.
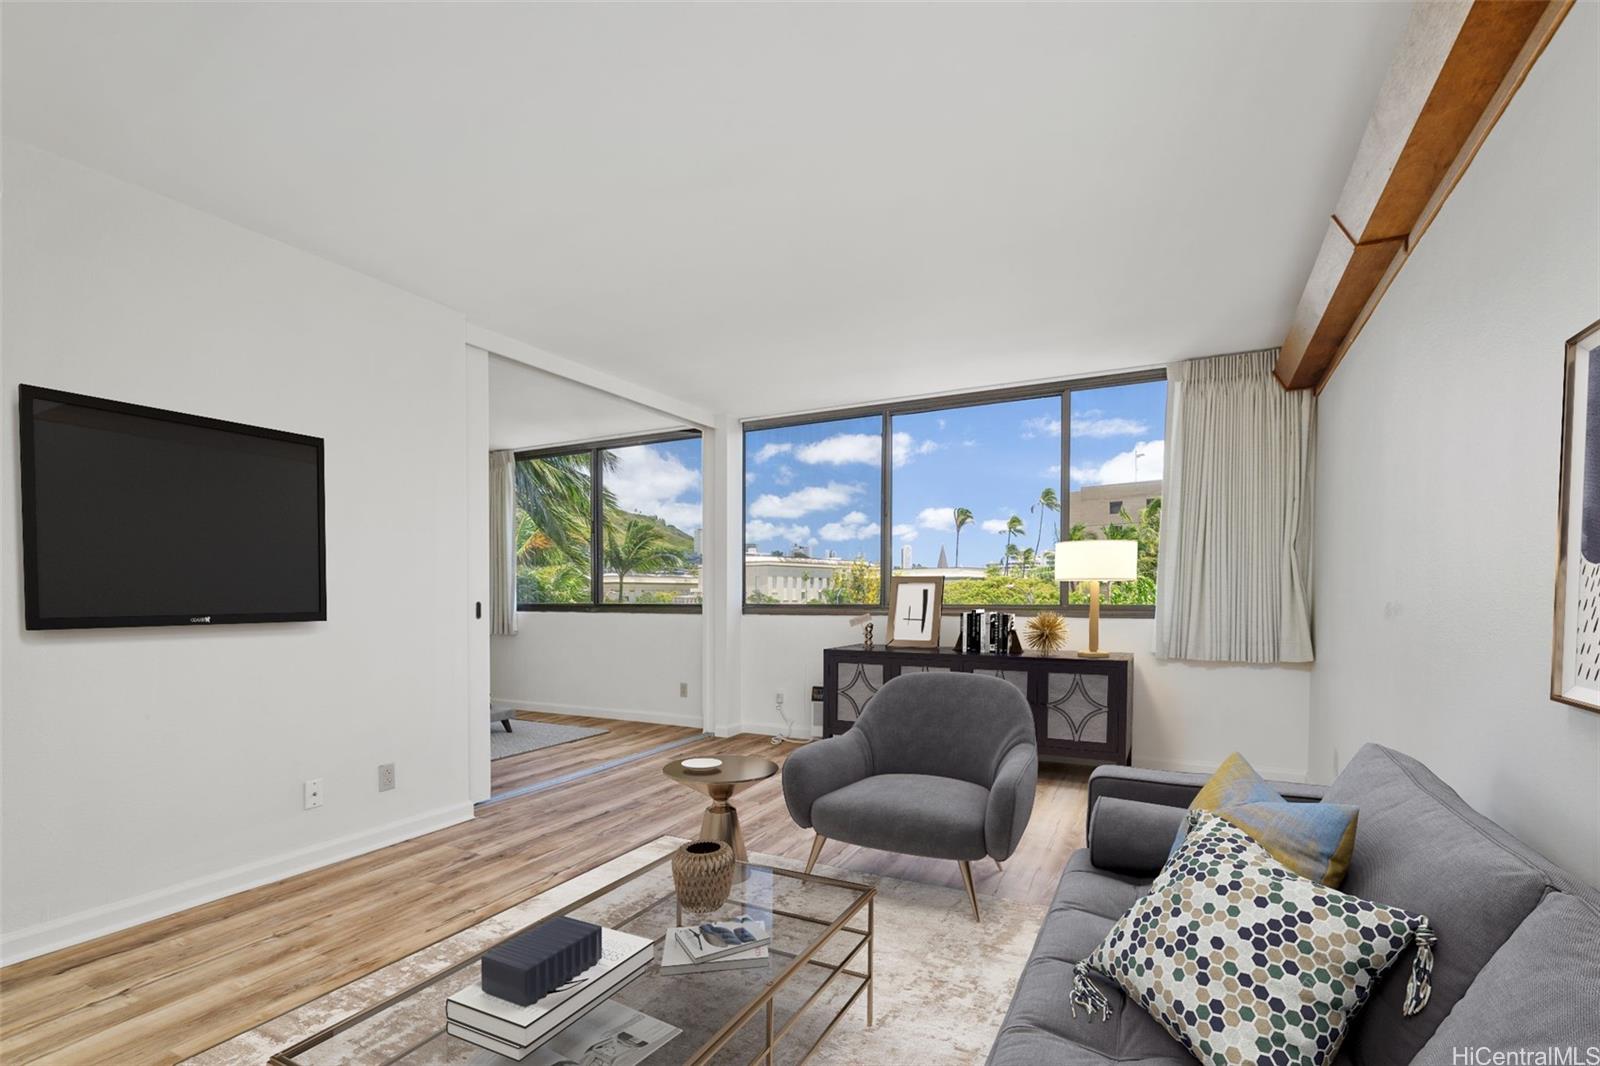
597 562
886 413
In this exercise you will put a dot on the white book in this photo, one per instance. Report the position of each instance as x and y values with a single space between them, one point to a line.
675 960
702 947
622 956
612 1033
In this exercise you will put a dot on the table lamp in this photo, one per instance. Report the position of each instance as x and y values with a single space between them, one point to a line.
1094 561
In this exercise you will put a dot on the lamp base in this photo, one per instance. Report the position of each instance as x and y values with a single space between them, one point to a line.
1094 655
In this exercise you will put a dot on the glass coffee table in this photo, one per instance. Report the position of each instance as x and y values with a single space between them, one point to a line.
819 964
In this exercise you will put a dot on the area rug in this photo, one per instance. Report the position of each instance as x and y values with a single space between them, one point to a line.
942 983
528 736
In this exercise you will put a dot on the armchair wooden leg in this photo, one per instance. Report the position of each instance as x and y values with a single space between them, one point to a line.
816 849
998 867
972 893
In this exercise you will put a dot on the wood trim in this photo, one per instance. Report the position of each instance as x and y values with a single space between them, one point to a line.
1459 65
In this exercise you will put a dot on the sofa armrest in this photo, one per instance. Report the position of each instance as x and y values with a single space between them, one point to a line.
1130 837
821 767
1011 801
1174 788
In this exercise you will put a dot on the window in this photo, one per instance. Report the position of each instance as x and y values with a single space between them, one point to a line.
554 523
1115 445
617 523
813 500
979 489
977 499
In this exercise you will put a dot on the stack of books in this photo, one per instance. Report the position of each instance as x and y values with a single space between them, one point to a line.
730 944
516 1031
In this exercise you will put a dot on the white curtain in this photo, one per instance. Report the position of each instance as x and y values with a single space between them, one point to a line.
1234 570
502 543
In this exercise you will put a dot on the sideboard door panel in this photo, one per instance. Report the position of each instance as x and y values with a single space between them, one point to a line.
858 683
1077 708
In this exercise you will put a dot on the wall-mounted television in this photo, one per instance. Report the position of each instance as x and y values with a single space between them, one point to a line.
135 516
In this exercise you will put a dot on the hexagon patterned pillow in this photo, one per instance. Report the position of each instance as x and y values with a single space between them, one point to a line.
1244 961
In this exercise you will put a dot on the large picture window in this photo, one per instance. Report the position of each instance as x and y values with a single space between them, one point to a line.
977 489
617 523
813 497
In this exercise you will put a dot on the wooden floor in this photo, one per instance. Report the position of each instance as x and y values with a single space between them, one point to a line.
621 740
167 989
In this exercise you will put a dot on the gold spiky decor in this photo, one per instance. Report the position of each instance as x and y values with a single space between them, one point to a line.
1047 632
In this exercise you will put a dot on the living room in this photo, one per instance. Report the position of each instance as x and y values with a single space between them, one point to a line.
853 514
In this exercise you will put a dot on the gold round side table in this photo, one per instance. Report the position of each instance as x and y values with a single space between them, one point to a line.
737 773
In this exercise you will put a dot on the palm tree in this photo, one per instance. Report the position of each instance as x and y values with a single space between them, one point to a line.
963 518
640 546
1013 553
1028 560
1013 529
1047 501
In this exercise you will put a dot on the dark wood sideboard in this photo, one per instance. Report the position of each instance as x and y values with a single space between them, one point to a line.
1081 707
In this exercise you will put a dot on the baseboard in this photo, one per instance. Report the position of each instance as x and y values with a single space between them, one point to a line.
690 718
98 921
1271 773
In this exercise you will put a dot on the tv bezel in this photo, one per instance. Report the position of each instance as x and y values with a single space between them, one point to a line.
26 394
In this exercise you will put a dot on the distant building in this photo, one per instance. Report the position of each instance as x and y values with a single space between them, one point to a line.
781 580
1099 506
905 557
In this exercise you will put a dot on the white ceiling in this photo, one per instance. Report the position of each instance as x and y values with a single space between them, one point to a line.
531 409
761 208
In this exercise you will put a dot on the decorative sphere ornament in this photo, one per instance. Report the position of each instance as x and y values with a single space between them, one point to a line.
1047 632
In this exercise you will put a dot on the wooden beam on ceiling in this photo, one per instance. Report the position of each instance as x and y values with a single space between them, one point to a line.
1458 66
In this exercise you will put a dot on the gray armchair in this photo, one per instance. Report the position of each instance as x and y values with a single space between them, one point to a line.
941 765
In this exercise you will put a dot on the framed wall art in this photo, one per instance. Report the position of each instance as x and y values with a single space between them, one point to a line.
1575 654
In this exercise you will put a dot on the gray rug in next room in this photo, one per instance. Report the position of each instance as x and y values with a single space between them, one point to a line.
531 736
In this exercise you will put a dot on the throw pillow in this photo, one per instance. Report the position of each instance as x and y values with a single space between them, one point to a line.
1244 961
1314 840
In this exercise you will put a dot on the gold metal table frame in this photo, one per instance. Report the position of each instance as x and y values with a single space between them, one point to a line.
847 921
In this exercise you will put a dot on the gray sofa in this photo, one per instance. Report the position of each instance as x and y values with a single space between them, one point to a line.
942 765
1517 964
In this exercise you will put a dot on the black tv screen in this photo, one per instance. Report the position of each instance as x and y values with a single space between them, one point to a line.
134 516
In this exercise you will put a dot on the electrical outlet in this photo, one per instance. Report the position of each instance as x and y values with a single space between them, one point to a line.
385 777
313 793
683 689
816 693
778 699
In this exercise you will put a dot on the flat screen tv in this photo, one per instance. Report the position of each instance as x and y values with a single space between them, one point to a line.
134 516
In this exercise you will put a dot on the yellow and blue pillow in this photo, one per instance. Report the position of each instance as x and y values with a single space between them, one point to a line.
1314 840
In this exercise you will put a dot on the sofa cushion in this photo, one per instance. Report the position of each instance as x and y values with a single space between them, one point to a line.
1040 1028
1243 960
939 817
1421 848
1314 840
1541 988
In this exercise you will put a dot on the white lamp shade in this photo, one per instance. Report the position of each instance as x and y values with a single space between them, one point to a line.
1097 560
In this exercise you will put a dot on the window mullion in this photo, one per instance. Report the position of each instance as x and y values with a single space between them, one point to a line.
1064 482
885 508
597 535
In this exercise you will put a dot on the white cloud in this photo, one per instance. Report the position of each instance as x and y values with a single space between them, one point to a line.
651 482
993 525
1122 468
757 531
784 474
749 479
803 501
853 526
1053 470
842 448
939 519
905 532
1095 424
767 451
906 447
1041 427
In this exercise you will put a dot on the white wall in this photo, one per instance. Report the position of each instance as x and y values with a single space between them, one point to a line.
1438 474
619 664
148 769
1186 716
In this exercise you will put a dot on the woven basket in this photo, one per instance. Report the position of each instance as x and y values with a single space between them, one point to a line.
702 872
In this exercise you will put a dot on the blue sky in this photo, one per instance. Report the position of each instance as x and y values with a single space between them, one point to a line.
819 484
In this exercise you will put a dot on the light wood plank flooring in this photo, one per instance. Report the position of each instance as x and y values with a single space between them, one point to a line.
621 740
167 989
